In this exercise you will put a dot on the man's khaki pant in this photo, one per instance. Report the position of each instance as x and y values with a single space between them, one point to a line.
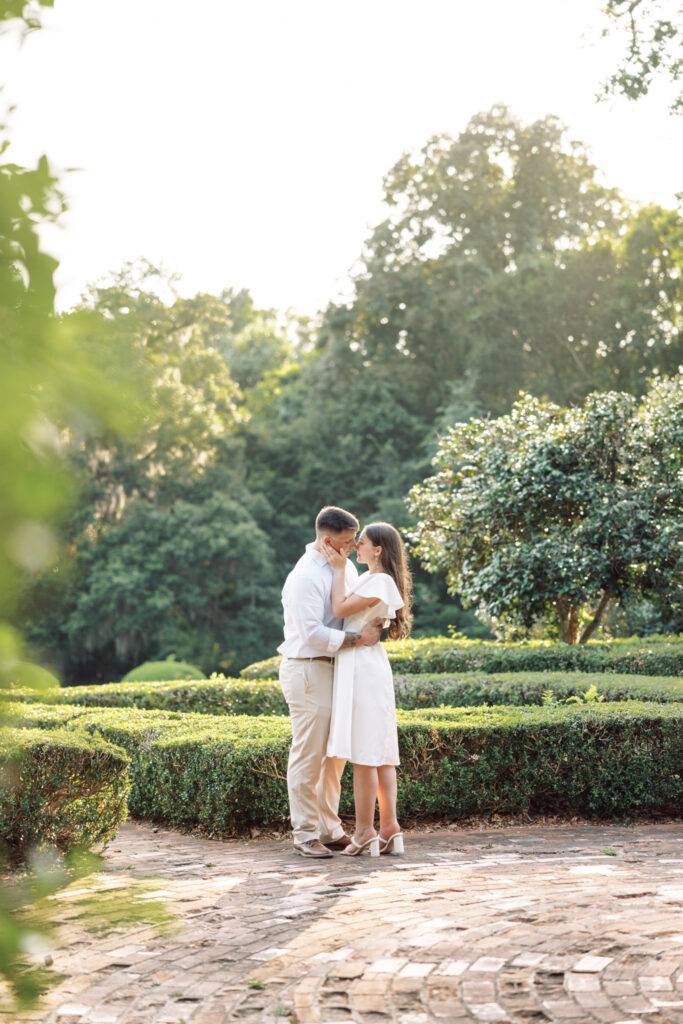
313 779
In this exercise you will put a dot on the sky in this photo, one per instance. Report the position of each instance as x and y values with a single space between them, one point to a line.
243 144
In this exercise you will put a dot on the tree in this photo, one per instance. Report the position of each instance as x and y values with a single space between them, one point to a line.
503 264
192 399
256 344
167 550
654 47
606 314
553 513
194 579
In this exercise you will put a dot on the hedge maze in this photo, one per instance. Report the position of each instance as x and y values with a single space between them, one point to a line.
483 728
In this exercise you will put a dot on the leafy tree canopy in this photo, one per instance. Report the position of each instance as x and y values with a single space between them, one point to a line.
503 264
653 33
167 550
551 513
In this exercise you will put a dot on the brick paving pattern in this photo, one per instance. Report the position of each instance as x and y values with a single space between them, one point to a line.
563 923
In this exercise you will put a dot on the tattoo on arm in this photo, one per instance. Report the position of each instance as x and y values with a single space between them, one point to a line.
350 640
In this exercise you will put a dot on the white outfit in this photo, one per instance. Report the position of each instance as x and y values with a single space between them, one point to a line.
363 727
311 632
311 628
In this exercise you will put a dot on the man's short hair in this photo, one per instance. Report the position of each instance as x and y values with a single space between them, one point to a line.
334 520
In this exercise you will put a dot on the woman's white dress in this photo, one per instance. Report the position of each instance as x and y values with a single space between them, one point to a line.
363 725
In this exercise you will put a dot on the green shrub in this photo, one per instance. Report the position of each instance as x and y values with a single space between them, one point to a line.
264 697
24 673
654 656
171 669
172 778
218 696
25 711
59 787
226 774
470 689
267 669
596 759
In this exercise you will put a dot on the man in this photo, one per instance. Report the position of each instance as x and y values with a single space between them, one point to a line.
312 637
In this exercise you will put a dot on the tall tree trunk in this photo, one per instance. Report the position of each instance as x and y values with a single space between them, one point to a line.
597 616
573 624
562 618
568 615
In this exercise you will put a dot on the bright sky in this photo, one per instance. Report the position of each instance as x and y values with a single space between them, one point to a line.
244 143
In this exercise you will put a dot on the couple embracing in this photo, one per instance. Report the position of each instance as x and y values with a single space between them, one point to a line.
337 681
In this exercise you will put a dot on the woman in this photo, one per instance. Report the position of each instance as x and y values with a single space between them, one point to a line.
363 727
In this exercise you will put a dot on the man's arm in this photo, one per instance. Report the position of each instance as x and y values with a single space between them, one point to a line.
306 602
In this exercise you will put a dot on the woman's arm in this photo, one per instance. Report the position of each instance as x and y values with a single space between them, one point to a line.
344 605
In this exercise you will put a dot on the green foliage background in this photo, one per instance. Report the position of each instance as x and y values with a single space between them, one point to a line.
552 513
163 458
502 264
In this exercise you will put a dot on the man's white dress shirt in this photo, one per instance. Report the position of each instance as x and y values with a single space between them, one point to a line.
311 628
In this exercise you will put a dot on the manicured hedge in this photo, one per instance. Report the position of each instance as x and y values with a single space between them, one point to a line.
25 673
151 670
228 773
593 760
267 669
221 772
470 689
651 657
217 696
60 787
220 696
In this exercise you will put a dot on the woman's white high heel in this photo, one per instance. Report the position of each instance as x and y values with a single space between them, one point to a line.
393 845
353 849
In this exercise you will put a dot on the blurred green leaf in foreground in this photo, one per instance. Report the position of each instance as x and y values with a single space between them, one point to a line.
54 392
31 903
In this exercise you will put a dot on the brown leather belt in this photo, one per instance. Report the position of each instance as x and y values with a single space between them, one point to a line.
317 657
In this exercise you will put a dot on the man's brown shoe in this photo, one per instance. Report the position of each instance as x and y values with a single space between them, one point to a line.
338 844
312 848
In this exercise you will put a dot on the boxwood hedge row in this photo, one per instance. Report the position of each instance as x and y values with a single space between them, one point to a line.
469 689
216 696
221 696
440 654
60 786
226 774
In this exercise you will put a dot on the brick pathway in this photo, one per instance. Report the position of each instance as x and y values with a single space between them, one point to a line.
514 924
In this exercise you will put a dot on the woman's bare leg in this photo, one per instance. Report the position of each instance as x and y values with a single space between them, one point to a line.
387 788
365 797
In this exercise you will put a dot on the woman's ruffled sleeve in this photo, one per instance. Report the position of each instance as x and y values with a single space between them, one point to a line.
381 585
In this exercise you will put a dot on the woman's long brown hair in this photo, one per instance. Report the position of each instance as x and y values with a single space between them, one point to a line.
394 561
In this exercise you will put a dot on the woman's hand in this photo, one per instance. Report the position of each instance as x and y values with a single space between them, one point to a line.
337 559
